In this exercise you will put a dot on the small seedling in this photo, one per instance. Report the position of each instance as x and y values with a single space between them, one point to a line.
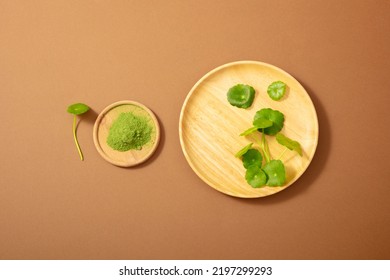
75 110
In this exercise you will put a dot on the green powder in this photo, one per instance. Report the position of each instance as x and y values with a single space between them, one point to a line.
129 132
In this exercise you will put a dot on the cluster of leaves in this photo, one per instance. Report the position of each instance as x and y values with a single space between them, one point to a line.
272 173
242 96
268 122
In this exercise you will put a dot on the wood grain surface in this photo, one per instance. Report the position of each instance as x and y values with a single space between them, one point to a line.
102 128
210 127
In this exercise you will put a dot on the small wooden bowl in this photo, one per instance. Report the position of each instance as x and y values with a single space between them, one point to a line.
102 127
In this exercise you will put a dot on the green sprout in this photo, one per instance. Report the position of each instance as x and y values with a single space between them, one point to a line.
77 109
276 90
241 96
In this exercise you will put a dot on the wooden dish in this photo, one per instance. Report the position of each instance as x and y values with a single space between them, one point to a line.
102 127
209 126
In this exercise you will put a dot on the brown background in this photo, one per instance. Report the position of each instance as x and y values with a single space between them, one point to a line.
54 53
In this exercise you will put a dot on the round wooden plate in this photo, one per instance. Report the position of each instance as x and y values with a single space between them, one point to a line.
102 127
210 127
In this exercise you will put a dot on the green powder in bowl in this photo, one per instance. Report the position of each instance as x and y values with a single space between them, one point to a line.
129 132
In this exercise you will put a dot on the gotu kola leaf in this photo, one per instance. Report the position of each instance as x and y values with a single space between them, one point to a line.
241 96
77 109
262 123
249 131
275 116
241 152
252 157
276 90
255 176
289 143
276 173
257 124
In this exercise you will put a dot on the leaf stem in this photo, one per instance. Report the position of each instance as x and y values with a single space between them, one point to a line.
264 147
75 138
282 154
267 148
257 141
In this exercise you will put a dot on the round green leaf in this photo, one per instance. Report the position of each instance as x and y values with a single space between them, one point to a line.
276 90
276 173
255 176
241 152
272 115
252 157
241 96
78 109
